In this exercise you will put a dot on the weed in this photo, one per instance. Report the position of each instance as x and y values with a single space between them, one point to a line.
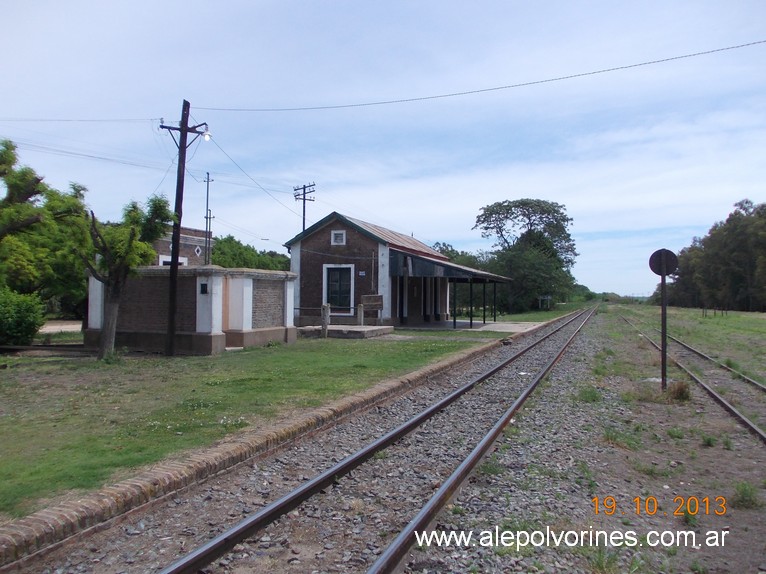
679 391
588 394
691 520
620 439
586 473
491 467
708 441
745 496
697 568
649 469
676 433
602 561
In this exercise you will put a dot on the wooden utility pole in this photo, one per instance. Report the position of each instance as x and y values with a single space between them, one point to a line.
183 130
208 221
301 191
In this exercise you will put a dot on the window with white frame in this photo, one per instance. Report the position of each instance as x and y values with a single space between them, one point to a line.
338 237
166 260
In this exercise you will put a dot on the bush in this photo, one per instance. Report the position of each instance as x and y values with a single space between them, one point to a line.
21 316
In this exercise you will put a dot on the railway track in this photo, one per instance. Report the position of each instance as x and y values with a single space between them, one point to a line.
742 396
411 471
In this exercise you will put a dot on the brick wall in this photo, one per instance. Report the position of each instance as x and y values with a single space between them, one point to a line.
268 303
192 240
144 305
317 251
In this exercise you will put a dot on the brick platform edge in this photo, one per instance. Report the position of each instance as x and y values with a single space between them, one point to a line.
46 529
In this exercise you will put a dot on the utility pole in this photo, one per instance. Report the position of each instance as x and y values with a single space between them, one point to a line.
301 192
183 130
208 217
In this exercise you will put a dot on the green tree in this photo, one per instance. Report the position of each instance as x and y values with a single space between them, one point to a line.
535 248
117 249
536 221
727 267
40 236
230 252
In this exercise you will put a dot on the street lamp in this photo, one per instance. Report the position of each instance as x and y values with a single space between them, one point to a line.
182 142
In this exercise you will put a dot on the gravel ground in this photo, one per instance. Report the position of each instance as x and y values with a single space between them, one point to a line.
566 448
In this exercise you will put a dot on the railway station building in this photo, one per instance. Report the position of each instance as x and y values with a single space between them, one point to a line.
374 276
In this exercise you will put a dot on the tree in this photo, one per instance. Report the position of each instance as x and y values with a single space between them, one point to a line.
40 236
535 248
118 250
532 220
230 252
727 267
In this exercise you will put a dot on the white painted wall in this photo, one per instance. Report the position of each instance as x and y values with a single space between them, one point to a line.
241 303
95 303
384 281
210 305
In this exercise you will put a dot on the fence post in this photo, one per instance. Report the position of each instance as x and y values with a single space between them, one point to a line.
325 319
360 314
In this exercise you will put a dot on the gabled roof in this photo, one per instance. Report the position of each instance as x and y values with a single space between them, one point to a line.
399 242
392 239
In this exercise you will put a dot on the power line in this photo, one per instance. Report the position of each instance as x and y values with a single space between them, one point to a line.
84 120
485 90
251 179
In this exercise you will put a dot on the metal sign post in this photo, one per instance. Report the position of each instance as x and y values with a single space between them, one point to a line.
664 262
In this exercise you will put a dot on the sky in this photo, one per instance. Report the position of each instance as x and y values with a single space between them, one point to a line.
412 115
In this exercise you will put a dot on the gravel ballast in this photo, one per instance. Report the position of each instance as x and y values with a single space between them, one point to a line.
566 447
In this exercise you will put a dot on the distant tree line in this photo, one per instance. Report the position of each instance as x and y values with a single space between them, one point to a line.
230 252
726 269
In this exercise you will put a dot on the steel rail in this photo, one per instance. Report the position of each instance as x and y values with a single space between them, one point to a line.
221 544
742 419
390 559
720 364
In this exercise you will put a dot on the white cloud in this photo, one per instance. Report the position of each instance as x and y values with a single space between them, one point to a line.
638 156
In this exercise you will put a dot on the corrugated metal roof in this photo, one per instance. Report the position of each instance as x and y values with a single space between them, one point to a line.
399 242
395 239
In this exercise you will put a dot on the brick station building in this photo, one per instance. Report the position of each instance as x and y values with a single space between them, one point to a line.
345 262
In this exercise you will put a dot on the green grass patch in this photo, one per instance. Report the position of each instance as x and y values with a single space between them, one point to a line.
729 338
676 433
614 436
75 423
559 310
745 496
451 333
588 394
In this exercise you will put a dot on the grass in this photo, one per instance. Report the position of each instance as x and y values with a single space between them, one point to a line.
745 496
74 424
614 436
451 333
542 316
588 394
676 433
60 338
490 467
733 335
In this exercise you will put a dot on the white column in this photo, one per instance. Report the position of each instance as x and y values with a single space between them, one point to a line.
209 304
240 303
384 281
295 267
290 287
95 303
